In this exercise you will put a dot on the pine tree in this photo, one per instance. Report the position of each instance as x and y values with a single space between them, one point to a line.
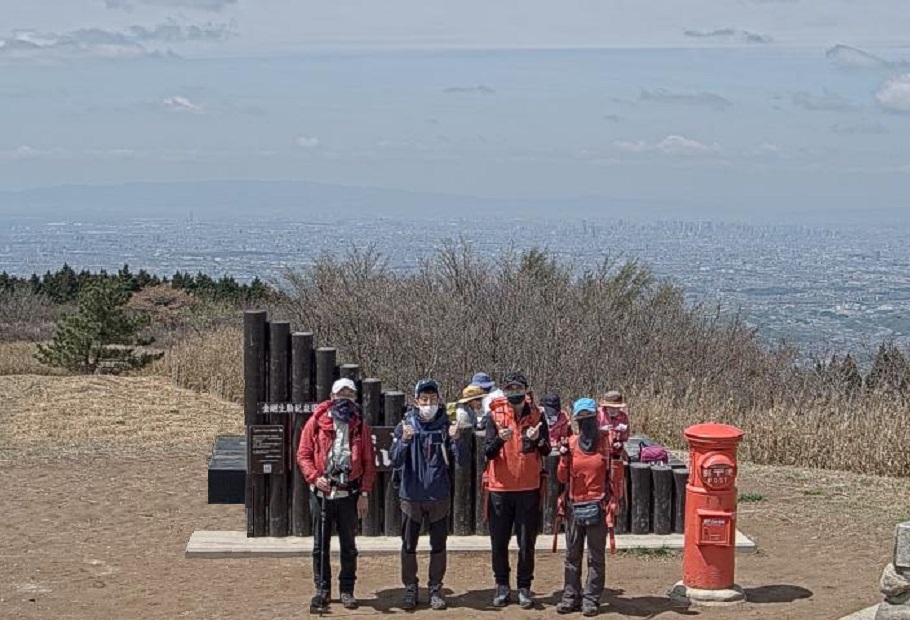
99 334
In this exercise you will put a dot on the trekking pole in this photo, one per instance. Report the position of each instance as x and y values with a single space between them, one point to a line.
322 550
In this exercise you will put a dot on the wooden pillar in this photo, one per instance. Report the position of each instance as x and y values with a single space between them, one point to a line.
325 372
641 498
371 399
279 392
553 490
680 479
622 507
463 498
662 490
352 372
393 403
302 391
480 461
254 382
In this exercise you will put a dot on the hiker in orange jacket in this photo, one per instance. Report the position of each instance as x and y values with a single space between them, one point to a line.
336 458
613 416
516 440
583 467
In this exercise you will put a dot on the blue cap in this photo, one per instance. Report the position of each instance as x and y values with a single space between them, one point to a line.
426 385
483 380
583 405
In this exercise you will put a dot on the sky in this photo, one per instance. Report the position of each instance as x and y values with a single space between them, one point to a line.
756 103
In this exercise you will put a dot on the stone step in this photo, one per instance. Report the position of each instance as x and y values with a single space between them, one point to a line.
233 544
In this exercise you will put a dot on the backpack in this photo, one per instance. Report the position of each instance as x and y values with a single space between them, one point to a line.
654 453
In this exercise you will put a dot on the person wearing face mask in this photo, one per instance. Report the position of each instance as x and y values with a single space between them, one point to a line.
613 416
583 467
516 440
336 458
423 445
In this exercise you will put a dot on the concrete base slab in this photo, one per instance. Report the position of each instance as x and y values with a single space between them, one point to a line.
863 614
694 596
231 544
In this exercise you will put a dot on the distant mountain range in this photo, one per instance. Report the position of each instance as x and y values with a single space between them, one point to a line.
241 199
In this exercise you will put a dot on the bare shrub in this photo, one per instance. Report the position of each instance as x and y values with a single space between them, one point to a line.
210 363
577 332
18 358
27 316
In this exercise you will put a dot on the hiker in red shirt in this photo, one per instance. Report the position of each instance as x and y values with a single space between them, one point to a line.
336 459
516 440
613 416
557 419
583 467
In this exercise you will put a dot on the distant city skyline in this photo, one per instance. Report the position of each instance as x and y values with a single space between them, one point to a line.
744 105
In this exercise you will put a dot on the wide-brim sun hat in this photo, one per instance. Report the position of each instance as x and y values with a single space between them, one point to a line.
472 392
613 399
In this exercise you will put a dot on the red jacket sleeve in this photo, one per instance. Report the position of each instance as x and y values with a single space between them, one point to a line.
369 459
562 470
306 450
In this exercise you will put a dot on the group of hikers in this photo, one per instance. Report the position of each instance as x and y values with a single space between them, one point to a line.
336 458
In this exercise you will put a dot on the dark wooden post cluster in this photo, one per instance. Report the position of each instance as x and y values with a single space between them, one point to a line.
285 374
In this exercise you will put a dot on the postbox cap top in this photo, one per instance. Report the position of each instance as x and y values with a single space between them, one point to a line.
712 430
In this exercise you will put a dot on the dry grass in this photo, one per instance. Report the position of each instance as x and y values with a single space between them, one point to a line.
209 363
18 358
866 437
42 414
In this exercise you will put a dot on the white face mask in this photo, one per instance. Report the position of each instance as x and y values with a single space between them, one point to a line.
427 412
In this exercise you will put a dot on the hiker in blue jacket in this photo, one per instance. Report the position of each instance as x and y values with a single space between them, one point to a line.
423 446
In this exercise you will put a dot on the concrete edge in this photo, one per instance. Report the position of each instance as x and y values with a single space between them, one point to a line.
205 544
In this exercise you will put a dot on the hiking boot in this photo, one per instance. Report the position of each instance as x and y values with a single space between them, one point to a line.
589 609
437 601
319 603
409 602
567 606
348 601
502 596
525 600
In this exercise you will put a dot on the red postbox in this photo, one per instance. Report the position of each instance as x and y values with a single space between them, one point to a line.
709 556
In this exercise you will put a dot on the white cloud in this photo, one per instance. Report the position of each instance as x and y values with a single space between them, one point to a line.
632 147
307 142
680 145
27 152
671 145
825 102
201 5
135 41
728 34
179 103
661 95
895 94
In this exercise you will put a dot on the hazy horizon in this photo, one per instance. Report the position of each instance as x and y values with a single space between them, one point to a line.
687 108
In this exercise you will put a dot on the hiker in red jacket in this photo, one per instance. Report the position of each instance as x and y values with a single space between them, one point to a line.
557 419
516 440
583 467
336 459
613 415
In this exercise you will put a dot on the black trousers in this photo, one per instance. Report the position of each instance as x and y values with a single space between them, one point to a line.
517 511
413 514
596 535
340 516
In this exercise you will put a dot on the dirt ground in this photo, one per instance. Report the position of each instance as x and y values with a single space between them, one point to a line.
99 531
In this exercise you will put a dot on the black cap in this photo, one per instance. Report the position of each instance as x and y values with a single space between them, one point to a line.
515 377
552 401
426 385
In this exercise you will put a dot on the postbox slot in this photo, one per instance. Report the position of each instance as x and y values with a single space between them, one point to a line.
715 527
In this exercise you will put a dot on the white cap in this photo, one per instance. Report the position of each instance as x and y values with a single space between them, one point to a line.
343 383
